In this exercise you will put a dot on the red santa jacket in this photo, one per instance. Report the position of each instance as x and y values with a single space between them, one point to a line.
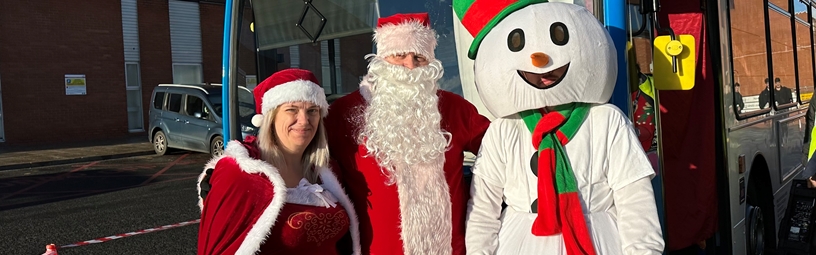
376 202
248 196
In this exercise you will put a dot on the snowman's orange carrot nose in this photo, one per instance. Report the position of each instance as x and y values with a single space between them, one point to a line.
540 59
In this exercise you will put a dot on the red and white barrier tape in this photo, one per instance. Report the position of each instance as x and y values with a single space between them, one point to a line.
143 231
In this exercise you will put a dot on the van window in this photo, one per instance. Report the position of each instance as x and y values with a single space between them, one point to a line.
175 103
158 100
195 105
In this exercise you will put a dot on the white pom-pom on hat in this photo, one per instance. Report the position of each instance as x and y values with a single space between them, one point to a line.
257 120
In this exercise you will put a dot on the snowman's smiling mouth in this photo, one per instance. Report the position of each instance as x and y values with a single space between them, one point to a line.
545 80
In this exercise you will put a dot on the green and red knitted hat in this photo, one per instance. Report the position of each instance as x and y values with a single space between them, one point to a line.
480 16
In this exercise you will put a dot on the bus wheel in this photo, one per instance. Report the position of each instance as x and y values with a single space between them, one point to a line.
756 230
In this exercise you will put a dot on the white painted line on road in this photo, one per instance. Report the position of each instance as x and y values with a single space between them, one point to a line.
143 231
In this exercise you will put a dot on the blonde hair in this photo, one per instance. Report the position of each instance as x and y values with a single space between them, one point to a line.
314 157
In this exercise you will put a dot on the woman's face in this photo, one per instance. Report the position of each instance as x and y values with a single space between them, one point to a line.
296 124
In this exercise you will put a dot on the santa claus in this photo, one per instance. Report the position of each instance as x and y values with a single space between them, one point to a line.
399 143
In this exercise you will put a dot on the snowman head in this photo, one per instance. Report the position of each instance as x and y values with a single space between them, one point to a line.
537 54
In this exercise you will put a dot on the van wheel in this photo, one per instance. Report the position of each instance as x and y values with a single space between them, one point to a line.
217 146
160 143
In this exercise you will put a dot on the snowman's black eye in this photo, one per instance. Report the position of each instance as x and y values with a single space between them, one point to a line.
559 33
515 40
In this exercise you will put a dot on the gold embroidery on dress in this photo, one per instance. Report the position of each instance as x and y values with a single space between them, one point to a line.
298 223
319 226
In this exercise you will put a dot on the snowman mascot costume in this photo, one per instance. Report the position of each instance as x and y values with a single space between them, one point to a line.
567 164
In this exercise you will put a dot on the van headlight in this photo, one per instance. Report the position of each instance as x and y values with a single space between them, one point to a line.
247 129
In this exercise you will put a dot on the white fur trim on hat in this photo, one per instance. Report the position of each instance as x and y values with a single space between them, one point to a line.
410 36
294 91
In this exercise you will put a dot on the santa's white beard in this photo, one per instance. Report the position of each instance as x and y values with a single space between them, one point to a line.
403 132
402 120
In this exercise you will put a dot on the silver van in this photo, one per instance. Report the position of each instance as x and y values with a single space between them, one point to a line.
189 117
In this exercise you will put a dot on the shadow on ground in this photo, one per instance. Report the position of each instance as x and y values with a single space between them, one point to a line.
23 191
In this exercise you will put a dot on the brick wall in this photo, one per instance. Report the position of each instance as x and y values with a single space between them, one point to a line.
212 32
41 42
154 53
44 40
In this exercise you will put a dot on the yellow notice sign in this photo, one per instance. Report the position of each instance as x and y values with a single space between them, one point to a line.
674 62
75 84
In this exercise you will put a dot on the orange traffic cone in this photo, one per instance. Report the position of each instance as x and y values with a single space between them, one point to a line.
50 249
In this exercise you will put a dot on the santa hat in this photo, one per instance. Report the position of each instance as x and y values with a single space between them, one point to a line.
285 86
404 33
479 17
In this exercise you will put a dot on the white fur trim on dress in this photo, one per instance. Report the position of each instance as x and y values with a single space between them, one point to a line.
411 36
293 91
331 183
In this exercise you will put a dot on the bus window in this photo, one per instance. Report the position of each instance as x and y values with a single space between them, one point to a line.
804 52
749 57
339 63
784 79
804 42
246 53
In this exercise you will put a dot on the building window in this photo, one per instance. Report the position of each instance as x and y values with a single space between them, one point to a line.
187 74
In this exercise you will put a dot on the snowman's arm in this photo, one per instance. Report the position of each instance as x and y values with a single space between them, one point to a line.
483 222
638 224
487 189
629 175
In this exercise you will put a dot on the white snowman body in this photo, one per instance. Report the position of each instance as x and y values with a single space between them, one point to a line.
544 55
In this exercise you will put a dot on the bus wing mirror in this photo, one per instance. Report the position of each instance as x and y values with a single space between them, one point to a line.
674 62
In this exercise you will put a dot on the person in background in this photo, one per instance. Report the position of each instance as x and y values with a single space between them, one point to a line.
275 194
644 112
764 96
738 102
782 95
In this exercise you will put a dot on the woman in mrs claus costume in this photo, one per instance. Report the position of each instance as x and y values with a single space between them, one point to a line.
274 194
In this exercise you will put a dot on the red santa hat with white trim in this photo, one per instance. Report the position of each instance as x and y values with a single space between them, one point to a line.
286 86
404 33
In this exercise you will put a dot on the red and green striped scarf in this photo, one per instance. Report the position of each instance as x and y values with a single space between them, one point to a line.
561 213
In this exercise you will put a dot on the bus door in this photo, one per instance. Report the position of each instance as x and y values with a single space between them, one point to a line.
672 108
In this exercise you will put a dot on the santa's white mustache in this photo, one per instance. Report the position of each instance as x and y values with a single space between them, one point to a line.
380 68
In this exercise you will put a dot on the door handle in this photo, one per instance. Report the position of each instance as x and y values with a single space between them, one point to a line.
178 120
186 122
